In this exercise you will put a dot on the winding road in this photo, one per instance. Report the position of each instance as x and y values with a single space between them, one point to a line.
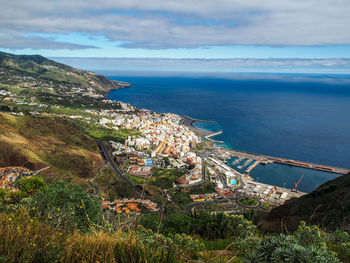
97 191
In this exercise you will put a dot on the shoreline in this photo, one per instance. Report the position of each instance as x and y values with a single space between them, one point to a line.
189 122
262 158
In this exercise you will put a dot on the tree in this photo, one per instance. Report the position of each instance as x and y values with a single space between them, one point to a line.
166 161
191 166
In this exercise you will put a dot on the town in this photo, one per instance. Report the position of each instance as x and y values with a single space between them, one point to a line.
157 148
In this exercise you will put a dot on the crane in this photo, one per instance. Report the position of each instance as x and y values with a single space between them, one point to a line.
296 184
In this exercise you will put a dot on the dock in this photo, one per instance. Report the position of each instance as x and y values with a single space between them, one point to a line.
265 159
260 158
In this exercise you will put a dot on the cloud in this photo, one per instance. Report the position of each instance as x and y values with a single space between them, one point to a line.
34 42
339 65
163 24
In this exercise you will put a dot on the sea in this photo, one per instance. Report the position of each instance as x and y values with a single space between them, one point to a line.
304 117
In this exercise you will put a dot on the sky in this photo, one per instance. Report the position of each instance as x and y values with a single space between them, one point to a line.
223 35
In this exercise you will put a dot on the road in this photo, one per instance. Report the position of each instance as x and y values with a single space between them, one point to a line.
97 191
116 169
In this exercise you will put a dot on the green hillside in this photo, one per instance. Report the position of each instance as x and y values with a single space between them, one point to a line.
16 69
328 206
38 142
49 115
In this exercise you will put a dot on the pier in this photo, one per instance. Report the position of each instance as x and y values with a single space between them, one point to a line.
265 159
208 137
260 158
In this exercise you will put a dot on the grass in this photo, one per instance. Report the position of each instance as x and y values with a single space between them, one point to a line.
26 239
112 187
39 142
135 180
248 201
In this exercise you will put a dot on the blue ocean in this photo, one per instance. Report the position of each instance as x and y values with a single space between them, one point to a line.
302 117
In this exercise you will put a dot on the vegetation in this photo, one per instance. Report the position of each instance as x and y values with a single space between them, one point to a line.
112 187
248 201
67 206
327 206
40 142
307 244
164 178
62 222
52 220
26 187
51 72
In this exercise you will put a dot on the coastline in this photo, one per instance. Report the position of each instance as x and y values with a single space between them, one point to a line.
189 122
262 158
223 150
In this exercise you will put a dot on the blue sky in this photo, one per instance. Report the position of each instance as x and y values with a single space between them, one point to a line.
169 29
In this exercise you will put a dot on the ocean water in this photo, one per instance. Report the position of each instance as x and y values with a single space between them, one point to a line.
305 118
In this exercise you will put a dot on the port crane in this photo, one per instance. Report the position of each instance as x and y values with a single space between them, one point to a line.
296 184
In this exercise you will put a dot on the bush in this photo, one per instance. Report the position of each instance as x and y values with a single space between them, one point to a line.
285 248
26 187
31 185
307 244
67 206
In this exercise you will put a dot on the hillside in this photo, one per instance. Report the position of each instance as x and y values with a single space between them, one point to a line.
38 142
16 69
327 206
49 115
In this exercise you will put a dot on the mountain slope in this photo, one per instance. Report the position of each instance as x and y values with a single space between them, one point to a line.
327 206
38 142
16 68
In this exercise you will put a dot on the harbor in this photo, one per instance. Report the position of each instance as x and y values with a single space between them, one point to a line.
266 159
273 172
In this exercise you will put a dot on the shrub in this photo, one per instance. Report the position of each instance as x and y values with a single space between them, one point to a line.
223 226
31 185
339 242
26 239
26 187
293 248
67 206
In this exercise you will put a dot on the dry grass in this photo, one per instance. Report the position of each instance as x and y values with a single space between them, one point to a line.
36 143
94 247
26 239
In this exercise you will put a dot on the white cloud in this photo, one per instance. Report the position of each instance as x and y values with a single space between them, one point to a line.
211 65
159 24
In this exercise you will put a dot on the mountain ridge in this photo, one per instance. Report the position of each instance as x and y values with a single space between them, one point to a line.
39 67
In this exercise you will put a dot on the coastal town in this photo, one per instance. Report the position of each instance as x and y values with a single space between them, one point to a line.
158 147
162 141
